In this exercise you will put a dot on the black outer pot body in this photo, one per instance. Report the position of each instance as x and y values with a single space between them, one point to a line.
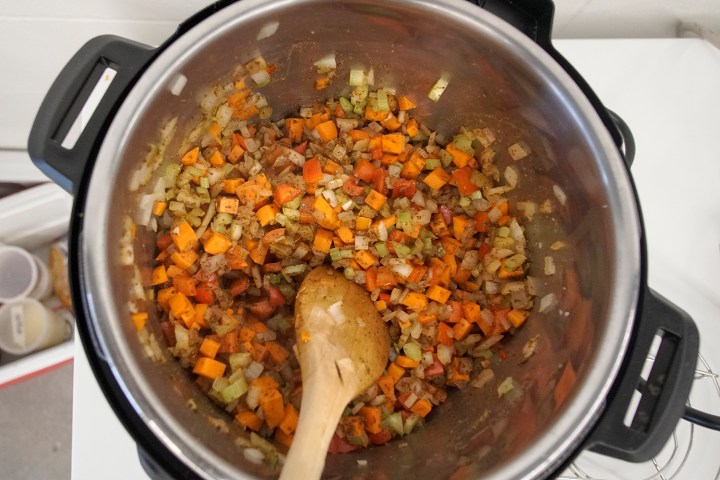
664 391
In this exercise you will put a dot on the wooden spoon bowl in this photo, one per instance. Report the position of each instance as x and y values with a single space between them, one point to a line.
343 347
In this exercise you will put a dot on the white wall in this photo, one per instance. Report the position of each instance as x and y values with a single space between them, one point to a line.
37 37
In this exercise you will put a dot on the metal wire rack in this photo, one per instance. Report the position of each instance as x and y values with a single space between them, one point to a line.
690 447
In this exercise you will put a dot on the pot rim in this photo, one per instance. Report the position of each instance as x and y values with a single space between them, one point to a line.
581 412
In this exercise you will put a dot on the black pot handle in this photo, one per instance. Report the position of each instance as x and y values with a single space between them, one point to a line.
662 395
534 18
66 165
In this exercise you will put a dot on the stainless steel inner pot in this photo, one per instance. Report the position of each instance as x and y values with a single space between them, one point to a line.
498 78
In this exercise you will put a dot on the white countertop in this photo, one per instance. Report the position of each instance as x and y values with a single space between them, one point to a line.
667 91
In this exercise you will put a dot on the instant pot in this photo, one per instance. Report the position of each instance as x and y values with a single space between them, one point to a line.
503 73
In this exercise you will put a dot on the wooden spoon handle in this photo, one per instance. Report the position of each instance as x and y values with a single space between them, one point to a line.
320 413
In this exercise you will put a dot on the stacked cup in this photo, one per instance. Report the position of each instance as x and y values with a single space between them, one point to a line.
26 324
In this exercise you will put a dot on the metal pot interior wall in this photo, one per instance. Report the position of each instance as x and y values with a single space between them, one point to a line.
498 80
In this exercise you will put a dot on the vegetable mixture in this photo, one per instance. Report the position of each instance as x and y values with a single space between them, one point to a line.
421 222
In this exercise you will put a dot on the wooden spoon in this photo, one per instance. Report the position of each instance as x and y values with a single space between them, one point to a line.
343 347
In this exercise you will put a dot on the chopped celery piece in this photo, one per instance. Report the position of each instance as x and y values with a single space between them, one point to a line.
239 360
223 218
394 422
402 202
281 219
464 201
293 204
278 322
357 78
235 390
464 143
432 163
223 329
381 249
292 215
503 242
204 183
382 100
360 107
335 254
401 250
349 273
410 423
427 245
193 171
220 383
515 261
413 350
171 172
359 96
287 290
294 269
346 106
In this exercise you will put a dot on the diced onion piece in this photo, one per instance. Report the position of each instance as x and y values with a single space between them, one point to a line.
528 208
370 77
357 78
261 78
546 207
382 232
418 198
491 288
410 400
251 145
400 267
532 285
223 115
558 245
547 302
511 176
485 136
494 214
559 194
518 150
182 337
445 353
256 64
268 30
438 88
326 63
549 267
330 196
491 341
422 217
362 242
505 387
512 287
483 378
529 348
254 455
253 371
